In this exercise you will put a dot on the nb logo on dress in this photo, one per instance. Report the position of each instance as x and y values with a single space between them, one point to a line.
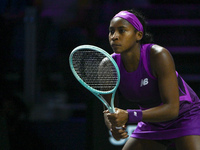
144 82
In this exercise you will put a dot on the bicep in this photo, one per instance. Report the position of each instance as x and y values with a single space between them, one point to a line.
164 69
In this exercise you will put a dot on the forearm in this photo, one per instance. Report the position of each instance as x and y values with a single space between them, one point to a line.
160 113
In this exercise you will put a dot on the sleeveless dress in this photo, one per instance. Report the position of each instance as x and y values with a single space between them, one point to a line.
141 87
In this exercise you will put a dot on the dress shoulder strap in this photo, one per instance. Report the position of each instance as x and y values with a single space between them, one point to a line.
145 52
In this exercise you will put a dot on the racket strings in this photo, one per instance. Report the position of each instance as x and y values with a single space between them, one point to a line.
95 69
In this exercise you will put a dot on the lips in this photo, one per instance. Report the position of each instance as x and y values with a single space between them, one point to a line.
115 45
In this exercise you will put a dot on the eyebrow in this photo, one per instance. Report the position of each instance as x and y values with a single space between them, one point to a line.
120 27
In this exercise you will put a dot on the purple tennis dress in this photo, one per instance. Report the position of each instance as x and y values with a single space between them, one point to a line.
141 87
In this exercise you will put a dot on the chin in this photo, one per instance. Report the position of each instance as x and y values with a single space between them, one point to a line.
116 51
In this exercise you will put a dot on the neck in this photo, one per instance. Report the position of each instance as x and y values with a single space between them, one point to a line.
131 59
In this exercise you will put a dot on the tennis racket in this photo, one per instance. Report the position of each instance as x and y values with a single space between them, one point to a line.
97 71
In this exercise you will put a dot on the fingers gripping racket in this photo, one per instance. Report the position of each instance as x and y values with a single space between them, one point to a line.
97 71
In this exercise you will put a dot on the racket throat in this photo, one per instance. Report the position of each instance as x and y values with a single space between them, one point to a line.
110 108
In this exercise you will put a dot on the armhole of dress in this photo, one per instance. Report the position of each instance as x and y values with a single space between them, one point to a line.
184 94
147 65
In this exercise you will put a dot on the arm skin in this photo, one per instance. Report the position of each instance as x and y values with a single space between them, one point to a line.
163 69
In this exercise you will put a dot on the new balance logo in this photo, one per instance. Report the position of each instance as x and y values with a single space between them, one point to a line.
135 114
144 82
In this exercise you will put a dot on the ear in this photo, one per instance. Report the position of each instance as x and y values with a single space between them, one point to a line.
139 35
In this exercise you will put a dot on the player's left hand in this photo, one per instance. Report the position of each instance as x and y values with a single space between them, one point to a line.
119 133
119 118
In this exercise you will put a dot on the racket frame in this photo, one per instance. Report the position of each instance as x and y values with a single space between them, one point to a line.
97 93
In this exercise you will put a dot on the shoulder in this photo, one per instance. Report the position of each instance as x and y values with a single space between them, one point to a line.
160 58
157 50
159 53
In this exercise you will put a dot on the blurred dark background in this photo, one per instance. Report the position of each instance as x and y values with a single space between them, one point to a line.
42 106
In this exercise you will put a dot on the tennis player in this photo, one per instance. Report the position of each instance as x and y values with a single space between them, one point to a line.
169 109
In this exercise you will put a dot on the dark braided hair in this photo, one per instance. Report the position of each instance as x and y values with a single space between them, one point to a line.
147 37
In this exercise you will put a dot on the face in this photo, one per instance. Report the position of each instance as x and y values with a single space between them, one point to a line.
122 35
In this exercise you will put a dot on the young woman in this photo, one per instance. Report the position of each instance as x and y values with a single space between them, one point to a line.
169 108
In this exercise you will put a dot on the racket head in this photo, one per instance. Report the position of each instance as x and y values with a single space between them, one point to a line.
76 62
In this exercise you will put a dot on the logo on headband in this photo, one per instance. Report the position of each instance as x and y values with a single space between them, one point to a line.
123 13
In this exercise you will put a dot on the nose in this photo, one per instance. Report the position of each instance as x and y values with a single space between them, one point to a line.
115 36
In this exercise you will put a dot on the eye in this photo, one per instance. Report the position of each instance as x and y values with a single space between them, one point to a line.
111 31
121 30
